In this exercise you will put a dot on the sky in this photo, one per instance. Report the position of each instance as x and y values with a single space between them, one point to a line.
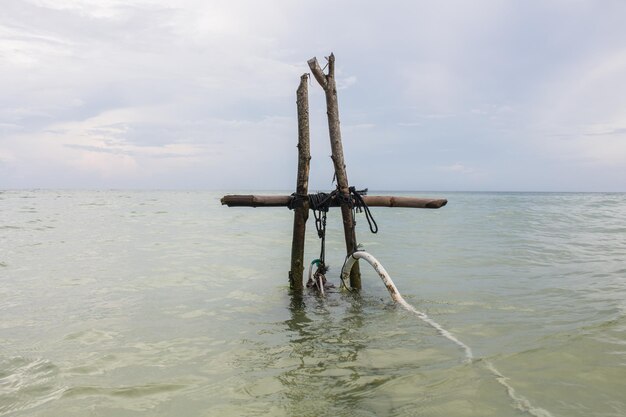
481 95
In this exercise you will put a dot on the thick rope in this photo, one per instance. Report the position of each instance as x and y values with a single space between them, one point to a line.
320 204
520 402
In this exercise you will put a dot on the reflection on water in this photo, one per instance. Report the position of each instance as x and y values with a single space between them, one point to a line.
165 303
328 351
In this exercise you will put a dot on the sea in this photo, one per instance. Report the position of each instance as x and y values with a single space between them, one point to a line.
166 303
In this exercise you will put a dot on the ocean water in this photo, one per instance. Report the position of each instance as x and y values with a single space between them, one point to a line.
160 303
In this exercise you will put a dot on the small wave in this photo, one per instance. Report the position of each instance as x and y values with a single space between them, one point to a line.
134 391
27 383
9 227
92 336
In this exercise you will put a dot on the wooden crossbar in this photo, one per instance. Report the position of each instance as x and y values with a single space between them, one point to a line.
370 200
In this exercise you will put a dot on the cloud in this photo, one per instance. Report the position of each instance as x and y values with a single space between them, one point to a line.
583 111
358 127
615 131
6 156
118 145
458 168
106 166
193 91
344 83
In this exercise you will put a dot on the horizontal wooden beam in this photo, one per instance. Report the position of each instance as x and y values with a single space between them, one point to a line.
410 202
370 200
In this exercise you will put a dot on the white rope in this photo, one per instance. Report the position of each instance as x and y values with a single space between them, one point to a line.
519 401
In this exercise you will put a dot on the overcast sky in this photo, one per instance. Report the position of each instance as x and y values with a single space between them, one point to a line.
196 94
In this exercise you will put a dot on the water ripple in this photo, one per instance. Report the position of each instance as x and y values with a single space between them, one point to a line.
27 383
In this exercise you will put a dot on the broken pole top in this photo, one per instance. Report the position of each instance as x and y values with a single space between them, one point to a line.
328 84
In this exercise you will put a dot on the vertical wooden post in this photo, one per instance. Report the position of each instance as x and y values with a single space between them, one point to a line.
301 211
330 88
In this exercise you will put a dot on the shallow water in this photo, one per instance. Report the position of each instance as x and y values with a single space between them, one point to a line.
119 303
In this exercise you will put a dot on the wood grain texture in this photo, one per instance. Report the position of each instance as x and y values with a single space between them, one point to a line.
301 213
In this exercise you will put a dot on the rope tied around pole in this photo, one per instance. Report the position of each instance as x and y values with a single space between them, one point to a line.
320 203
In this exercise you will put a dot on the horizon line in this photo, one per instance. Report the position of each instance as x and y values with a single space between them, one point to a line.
283 191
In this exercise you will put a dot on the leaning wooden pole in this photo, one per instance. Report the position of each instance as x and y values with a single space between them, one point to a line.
301 210
327 81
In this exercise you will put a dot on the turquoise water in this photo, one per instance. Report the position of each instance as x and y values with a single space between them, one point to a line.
149 303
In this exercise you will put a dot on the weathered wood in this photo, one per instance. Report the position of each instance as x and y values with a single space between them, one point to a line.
301 212
370 200
255 200
409 202
327 82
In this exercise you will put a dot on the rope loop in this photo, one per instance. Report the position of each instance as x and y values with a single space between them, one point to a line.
359 205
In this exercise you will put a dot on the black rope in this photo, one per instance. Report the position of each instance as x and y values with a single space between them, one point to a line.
359 205
320 204
321 201
320 225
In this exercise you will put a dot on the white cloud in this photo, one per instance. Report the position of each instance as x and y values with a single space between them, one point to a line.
6 156
343 83
581 114
98 9
458 168
358 127
24 49
434 83
196 88
118 145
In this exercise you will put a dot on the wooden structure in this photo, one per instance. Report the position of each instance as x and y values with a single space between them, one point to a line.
370 200
343 198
